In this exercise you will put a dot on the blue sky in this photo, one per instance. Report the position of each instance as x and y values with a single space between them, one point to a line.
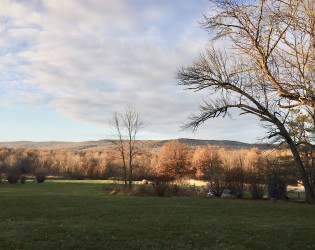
66 66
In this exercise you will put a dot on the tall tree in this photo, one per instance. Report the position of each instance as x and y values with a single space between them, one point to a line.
127 127
173 161
269 70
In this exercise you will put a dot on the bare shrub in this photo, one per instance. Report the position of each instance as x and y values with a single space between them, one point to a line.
189 191
256 181
40 177
256 176
186 191
136 190
22 179
218 182
142 190
12 165
257 190
41 168
160 187
114 188
13 177
235 178
174 190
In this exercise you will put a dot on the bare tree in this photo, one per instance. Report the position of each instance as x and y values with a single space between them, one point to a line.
270 70
278 37
119 142
127 126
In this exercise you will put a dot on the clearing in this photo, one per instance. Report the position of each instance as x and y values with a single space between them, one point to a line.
80 215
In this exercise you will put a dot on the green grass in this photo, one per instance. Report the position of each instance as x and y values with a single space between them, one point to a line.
80 215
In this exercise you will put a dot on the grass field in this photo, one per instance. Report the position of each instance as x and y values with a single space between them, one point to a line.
80 215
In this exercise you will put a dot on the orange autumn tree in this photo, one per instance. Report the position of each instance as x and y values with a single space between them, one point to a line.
209 167
173 161
206 160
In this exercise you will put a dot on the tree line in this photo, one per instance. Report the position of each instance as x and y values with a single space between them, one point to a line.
221 168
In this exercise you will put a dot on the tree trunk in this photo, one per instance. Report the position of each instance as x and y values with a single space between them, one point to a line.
309 192
125 175
124 166
130 170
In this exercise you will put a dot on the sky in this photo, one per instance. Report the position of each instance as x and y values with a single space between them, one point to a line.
66 66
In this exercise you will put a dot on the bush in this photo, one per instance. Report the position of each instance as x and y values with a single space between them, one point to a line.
1 177
40 174
235 178
23 179
40 168
40 178
256 179
114 188
174 190
217 185
160 187
193 191
13 178
142 190
135 190
257 190
167 189
277 188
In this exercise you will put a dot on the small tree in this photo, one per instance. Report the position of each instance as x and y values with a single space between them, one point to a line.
127 127
256 179
235 178
209 167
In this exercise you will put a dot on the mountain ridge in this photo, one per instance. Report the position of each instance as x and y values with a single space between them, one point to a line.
149 145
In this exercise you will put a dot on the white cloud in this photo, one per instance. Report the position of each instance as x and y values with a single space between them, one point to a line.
87 59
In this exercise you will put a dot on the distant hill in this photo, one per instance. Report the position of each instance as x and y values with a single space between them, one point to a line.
147 145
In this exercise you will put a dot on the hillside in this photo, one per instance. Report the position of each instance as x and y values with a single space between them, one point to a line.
147 145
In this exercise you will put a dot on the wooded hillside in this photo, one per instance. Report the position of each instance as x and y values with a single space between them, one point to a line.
147 145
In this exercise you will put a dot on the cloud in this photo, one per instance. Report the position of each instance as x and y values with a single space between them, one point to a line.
87 59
